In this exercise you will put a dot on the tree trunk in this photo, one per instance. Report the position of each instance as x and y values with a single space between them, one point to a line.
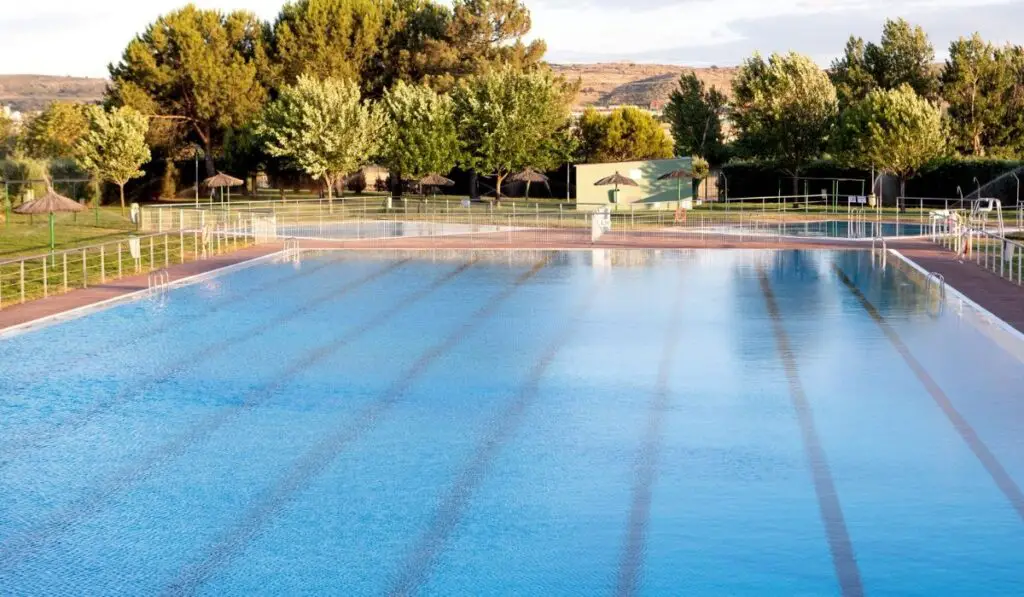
497 190
396 184
211 168
121 187
900 204
329 180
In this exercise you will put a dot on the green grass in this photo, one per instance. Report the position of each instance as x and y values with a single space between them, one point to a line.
49 274
29 235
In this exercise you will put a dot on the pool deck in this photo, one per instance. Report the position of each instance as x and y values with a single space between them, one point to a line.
83 297
1001 297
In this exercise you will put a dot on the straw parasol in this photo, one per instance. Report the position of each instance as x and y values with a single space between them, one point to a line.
435 180
223 181
50 203
678 175
529 175
616 179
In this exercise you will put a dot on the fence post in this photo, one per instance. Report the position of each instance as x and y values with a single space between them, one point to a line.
23 280
181 245
152 254
167 251
85 271
103 264
119 268
44 277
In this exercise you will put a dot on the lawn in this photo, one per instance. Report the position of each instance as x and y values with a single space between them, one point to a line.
30 235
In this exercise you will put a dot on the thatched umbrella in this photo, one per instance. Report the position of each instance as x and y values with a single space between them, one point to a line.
529 175
616 179
435 180
223 181
678 175
50 203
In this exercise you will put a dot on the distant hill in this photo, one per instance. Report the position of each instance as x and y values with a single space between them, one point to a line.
645 85
604 84
27 93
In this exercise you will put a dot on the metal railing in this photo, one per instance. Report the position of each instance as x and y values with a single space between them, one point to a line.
40 276
996 253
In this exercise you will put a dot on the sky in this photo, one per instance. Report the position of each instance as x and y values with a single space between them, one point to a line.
81 37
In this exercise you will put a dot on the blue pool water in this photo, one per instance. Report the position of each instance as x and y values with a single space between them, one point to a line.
841 229
565 423
374 229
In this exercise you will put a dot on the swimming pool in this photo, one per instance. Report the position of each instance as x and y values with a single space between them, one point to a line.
850 229
483 423
381 229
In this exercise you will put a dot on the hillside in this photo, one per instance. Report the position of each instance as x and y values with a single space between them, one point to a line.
26 93
615 83
600 85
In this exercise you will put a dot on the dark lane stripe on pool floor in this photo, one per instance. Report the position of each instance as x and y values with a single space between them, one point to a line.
995 469
25 542
35 438
449 512
313 462
226 301
645 469
843 558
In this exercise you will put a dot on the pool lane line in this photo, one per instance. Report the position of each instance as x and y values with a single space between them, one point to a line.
988 460
308 466
228 300
36 438
844 559
645 468
450 511
127 476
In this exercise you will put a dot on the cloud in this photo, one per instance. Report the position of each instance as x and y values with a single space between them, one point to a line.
727 31
75 37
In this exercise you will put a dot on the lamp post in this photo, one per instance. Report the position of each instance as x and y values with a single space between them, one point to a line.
195 152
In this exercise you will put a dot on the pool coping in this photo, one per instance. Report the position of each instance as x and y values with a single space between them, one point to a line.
984 315
126 297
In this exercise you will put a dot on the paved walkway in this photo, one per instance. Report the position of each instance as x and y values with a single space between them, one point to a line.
82 297
1002 298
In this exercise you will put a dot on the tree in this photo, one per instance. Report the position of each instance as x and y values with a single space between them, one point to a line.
201 68
327 38
903 57
851 74
321 127
893 130
114 148
699 168
55 132
625 134
8 134
510 120
479 35
784 110
695 115
978 83
419 135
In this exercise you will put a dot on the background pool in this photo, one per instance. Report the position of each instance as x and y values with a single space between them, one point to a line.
840 229
498 423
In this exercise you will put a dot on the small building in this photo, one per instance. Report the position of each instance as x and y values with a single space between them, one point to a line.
650 193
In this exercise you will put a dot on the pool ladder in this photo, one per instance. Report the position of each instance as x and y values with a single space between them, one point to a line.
878 238
291 251
157 284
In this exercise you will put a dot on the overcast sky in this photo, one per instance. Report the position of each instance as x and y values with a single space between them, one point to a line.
80 37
